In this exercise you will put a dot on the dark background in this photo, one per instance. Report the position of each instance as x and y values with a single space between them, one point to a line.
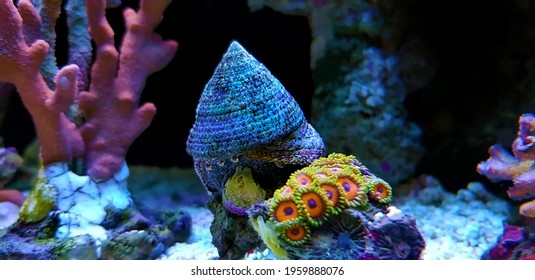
470 41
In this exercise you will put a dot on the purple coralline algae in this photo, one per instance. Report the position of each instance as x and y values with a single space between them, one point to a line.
363 69
514 244
396 239
246 120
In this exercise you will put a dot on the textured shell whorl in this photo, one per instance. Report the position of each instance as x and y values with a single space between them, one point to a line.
302 146
242 107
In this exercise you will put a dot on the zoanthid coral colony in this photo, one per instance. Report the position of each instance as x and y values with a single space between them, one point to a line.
321 191
337 199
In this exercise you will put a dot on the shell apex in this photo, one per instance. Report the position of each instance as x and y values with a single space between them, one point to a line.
242 107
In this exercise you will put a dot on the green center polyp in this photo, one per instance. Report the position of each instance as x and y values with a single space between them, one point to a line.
241 189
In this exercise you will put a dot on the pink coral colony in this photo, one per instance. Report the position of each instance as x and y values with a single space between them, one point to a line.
112 117
517 167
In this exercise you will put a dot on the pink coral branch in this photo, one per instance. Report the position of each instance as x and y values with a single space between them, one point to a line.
517 167
501 165
32 22
21 57
113 116
113 119
524 186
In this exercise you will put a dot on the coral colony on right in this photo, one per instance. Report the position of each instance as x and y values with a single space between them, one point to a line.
267 181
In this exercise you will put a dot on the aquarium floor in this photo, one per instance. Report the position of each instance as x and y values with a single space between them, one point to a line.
453 228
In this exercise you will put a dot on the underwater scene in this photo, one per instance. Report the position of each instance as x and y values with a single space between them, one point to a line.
267 130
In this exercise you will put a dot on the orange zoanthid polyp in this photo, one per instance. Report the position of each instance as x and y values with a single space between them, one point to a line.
303 180
351 188
296 233
286 210
313 204
380 191
331 192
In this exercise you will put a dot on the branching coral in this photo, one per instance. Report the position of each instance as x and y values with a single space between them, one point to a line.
117 80
21 57
517 167
110 106
112 118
